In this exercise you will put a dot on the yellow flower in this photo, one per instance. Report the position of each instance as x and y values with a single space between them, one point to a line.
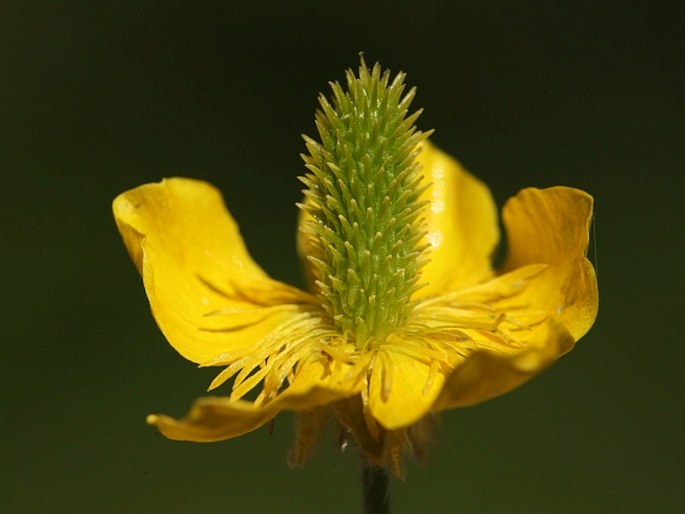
472 332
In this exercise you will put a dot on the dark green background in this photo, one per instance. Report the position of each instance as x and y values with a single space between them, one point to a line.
98 97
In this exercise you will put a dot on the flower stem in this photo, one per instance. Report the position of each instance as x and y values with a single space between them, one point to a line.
376 484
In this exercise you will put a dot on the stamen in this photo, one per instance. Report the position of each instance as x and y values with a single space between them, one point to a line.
247 384
369 420
432 373
275 356
388 372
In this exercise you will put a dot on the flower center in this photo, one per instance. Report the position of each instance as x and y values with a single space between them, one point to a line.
362 200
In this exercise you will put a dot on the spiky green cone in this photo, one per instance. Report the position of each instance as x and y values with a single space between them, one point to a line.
363 196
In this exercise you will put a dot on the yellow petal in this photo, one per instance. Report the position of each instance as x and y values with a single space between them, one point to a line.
516 324
486 374
219 418
402 387
461 221
212 418
552 226
501 333
207 295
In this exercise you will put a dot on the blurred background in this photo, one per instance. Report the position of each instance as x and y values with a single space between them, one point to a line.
99 97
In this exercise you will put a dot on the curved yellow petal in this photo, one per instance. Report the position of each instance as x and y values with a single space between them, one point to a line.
486 374
552 226
402 388
516 324
461 221
219 418
206 293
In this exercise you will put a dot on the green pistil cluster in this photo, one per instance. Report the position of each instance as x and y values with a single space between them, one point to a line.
363 196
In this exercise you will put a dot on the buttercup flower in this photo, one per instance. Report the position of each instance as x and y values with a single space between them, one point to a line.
405 315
